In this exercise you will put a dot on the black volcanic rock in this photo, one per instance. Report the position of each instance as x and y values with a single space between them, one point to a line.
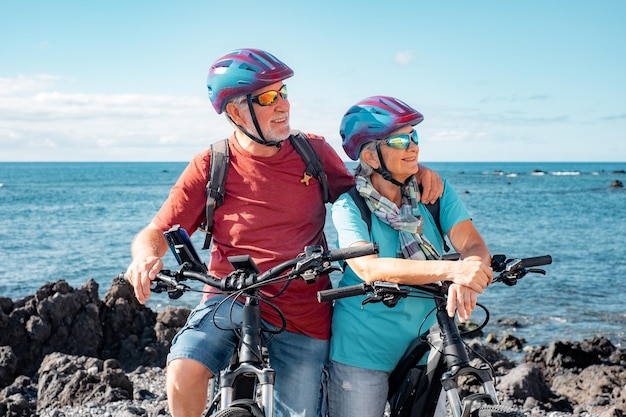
65 349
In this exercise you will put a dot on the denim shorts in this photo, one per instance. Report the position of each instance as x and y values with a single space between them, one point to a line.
356 392
299 360
360 392
202 339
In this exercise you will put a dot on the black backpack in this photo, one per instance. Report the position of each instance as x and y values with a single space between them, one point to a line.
215 191
414 389
366 213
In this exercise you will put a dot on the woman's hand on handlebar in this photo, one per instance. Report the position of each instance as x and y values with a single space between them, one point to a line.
471 272
462 300
140 273
470 278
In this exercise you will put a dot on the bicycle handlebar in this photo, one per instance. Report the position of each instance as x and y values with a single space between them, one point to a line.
343 292
536 261
307 265
342 254
510 271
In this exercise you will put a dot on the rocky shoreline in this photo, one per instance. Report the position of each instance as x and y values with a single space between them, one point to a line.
64 352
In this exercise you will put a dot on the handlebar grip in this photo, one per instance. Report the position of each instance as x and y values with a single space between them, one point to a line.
343 292
353 252
536 261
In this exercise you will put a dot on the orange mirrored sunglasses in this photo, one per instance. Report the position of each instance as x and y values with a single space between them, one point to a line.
267 98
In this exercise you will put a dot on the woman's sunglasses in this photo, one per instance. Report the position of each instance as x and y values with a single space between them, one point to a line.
402 141
268 98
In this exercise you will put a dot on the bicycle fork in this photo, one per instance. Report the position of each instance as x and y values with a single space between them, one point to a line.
457 361
240 381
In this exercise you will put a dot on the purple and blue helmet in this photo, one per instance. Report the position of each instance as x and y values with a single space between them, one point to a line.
374 118
242 71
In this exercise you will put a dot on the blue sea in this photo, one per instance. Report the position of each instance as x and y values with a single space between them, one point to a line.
75 221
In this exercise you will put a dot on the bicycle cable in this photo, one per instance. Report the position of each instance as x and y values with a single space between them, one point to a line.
236 329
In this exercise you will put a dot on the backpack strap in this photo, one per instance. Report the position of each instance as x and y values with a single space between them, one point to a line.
215 186
314 168
434 209
366 213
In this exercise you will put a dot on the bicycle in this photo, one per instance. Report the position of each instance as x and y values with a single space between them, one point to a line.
415 388
246 386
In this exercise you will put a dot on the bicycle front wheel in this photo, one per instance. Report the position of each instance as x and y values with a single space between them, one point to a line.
234 412
497 411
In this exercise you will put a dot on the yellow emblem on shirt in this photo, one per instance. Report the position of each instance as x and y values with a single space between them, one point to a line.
306 178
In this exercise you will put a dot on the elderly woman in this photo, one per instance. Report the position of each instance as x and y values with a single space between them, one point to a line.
368 341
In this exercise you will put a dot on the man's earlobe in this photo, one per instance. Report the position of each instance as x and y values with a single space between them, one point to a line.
233 112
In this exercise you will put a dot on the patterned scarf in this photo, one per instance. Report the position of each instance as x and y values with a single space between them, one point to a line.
406 219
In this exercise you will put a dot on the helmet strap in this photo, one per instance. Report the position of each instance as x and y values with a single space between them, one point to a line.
260 140
248 134
383 169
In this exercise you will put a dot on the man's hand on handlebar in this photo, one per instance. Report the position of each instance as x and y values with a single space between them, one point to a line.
140 273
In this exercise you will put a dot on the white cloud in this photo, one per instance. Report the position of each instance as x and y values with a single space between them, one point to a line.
33 118
21 84
40 123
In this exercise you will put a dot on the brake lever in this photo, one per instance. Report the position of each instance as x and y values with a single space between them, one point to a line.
331 268
390 300
510 277
508 281
159 287
372 298
387 293
313 265
173 288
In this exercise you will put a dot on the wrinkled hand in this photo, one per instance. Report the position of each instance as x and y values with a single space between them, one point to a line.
432 185
471 272
140 274
469 278
462 300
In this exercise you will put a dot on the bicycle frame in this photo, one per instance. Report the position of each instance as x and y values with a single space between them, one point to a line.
457 363
448 360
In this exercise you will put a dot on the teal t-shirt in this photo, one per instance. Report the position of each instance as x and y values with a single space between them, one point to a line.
375 336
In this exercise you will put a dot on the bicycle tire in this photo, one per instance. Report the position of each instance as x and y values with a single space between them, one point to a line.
497 411
234 412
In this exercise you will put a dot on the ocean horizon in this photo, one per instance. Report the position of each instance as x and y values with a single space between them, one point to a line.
75 221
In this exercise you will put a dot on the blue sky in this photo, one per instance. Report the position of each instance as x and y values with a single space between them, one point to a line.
496 80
